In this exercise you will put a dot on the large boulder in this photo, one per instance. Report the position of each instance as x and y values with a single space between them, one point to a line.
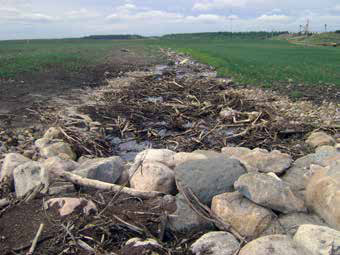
29 176
186 220
269 192
291 222
317 139
209 177
215 243
11 161
246 217
266 162
318 240
102 169
323 193
154 176
272 245
163 156
69 205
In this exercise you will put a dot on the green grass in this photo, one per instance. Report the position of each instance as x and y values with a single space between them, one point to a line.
71 55
264 62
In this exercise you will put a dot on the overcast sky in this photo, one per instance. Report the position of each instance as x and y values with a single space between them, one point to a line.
21 19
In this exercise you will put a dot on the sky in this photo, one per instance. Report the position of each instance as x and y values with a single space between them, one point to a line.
28 19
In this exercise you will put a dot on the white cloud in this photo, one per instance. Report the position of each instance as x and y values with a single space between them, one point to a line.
205 18
274 18
82 13
337 7
10 14
216 4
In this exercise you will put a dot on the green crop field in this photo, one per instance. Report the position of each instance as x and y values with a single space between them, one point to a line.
248 61
39 55
264 62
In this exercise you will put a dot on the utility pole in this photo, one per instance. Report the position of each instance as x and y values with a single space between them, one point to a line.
307 27
325 28
300 31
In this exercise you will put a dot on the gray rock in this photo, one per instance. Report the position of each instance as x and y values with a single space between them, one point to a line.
316 158
266 162
59 149
269 192
209 177
318 240
102 169
11 161
291 222
28 176
272 245
57 164
184 219
247 218
215 243
154 176
295 177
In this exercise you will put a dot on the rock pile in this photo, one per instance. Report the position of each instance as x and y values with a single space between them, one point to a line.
259 202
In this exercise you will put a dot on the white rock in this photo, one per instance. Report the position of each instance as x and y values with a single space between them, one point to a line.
11 161
67 205
163 156
318 240
215 243
135 242
154 176
181 157
28 176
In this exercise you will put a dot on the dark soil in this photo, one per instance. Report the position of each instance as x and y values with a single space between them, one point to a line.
18 96
19 224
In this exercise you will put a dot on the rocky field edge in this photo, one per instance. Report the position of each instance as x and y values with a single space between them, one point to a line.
212 173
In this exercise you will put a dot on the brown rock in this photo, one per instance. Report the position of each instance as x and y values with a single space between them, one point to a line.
236 152
249 219
317 139
323 193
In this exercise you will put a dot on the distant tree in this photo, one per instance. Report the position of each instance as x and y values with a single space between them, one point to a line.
113 37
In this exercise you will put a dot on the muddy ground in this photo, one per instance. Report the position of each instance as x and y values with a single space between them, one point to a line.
136 105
